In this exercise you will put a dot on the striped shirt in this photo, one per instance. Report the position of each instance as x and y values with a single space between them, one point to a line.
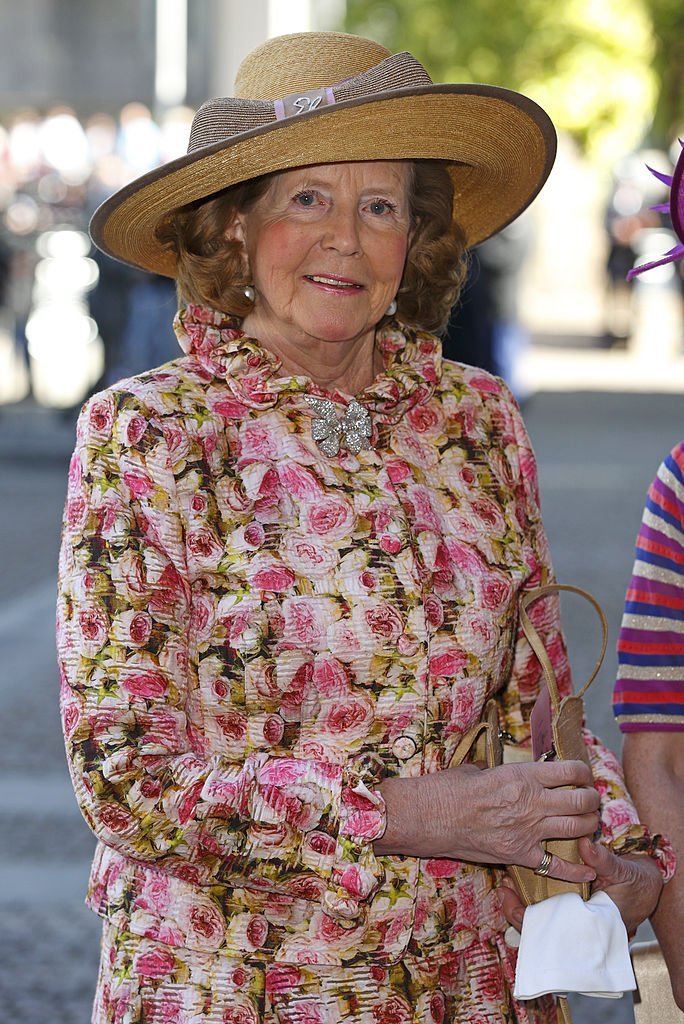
649 690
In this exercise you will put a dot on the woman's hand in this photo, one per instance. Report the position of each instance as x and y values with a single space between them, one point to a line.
633 882
493 815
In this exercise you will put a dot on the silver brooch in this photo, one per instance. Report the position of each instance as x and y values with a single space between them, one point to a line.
330 433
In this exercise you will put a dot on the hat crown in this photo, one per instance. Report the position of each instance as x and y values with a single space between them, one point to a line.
303 61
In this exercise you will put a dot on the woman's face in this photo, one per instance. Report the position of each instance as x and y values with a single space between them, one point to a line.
326 248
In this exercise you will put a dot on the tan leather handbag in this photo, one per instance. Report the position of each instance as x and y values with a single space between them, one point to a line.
567 716
486 742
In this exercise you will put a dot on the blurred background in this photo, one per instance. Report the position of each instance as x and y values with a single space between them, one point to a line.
94 93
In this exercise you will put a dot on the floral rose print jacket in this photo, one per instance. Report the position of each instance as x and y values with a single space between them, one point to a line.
252 634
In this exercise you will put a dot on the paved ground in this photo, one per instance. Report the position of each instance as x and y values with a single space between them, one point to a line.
597 453
48 940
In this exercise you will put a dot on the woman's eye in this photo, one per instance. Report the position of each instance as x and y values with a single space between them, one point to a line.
305 199
380 206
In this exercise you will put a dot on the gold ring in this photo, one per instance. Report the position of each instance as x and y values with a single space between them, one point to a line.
544 864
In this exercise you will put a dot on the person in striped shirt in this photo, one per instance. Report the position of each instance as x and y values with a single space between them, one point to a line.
648 698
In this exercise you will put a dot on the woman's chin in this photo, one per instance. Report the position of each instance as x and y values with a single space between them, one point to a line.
337 330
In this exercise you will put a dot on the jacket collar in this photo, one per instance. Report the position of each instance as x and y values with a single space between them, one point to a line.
412 365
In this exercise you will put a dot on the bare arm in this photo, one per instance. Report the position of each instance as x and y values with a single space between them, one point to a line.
654 768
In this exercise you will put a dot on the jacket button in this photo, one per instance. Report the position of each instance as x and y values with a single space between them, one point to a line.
404 747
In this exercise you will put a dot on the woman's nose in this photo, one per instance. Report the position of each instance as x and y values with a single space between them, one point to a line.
342 231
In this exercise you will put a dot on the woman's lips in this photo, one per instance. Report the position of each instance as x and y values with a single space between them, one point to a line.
338 284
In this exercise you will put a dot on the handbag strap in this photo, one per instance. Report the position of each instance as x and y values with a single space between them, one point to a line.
535 642
563 1010
466 743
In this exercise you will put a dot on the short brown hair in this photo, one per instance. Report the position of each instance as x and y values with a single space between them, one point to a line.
213 271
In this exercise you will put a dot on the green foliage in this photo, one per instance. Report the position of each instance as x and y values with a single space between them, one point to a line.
588 62
667 18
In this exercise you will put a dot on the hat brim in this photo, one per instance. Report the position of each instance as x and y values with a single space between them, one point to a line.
499 144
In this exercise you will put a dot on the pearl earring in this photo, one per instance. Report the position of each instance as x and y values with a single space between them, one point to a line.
392 308
249 293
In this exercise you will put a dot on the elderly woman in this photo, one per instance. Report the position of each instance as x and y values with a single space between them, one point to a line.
291 568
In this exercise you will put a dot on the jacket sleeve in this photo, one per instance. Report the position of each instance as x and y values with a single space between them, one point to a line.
142 767
619 822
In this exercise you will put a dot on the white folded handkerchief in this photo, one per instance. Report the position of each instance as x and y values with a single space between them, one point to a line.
569 945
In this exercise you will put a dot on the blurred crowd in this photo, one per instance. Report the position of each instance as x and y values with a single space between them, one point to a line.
635 233
78 320
55 169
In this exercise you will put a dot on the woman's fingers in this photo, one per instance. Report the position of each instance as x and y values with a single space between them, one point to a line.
539 802
562 773
511 903
555 788
570 826
632 881
569 802
569 871
609 868
613 871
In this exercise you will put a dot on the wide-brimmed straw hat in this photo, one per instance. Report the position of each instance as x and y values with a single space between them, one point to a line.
329 97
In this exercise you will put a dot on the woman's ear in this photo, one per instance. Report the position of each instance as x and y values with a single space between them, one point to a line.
234 230
235 233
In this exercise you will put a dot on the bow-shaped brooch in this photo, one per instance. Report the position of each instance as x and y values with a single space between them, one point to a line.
330 433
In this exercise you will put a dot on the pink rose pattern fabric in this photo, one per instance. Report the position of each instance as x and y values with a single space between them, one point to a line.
143 980
251 636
